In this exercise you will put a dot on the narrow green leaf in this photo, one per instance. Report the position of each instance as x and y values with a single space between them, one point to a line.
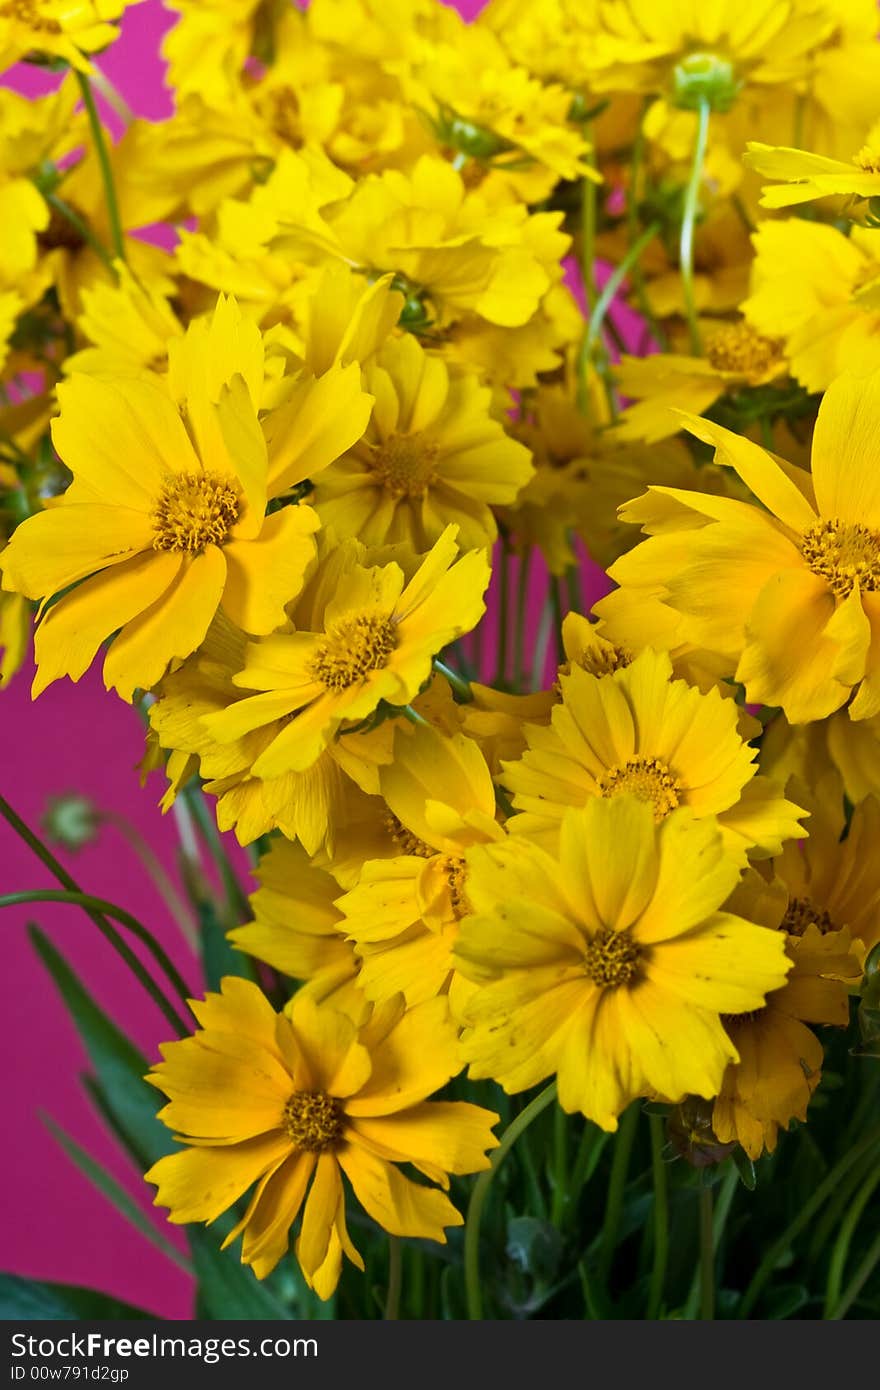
27 1300
116 1195
226 1288
118 1064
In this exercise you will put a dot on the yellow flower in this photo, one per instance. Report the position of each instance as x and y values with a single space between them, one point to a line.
321 806
736 355
378 637
432 455
163 525
57 29
780 1058
636 732
785 591
808 751
15 632
819 291
290 1102
688 48
806 176
298 930
611 962
403 913
207 48
129 326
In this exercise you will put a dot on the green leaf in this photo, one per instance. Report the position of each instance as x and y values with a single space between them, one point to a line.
784 1300
226 1288
118 1064
26 1300
219 956
745 1167
536 1247
115 1194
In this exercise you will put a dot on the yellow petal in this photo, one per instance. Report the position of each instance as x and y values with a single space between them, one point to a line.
198 1184
266 573
400 1206
64 544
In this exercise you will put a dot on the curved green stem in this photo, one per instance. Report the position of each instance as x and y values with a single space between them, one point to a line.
805 1215
81 227
503 611
858 1281
688 222
99 917
560 1166
837 1264
707 1257
413 716
103 154
623 1145
661 1220
609 294
460 686
395 1278
522 598
100 907
480 1194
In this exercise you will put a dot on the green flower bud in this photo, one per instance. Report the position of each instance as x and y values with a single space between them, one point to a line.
704 77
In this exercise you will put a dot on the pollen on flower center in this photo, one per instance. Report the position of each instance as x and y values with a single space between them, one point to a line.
313 1120
612 958
737 347
456 877
844 553
352 647
604 660
194 510
29 12
647 778
406 841
868 160
405 464
801 914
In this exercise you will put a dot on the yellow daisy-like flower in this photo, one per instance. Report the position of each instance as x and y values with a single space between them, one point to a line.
809 751
432 455
780 1057
736 355
298 930
806 176
636 732
786 591
403 913
163 524
290 1102
57 29
610 963
819 291
380 634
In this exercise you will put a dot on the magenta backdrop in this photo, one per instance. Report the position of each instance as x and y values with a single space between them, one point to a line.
78 738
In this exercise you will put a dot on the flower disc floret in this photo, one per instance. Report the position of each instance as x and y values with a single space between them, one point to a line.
313 1120
612 958
843 553
354 646
195 510
649 779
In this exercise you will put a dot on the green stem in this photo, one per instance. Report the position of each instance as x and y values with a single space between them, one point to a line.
522 597
707 1257
237 903
413 716
837 1264
460 686
503 612
560 1166
588 245
395 1278
103 154
632 225
688 222
80 226
163 882
560 608
101 907
609 294
106 928
661 1219
623 1146
858 1281
482 1187
804 1216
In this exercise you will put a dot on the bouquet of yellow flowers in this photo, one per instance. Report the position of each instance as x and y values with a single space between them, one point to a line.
557 990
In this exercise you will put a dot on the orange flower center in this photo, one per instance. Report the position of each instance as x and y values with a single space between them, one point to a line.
868 160
405 464
647 778
351 648
194 510
801 914
737 347
612 958
844 553
29 12
405 840
313 1120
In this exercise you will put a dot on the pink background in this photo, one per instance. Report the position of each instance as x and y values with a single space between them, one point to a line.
77 738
